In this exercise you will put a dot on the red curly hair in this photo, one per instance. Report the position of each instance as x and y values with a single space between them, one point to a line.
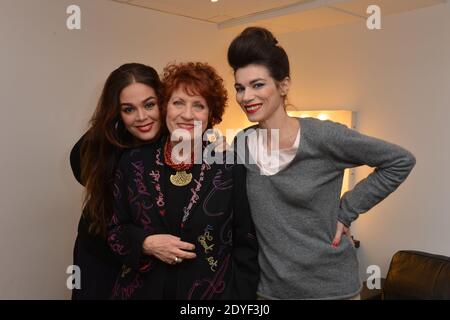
196 78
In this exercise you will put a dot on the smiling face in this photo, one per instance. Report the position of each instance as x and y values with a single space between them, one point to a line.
258 94
139 111
184 110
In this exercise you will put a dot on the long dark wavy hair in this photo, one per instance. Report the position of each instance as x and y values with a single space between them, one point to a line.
104 140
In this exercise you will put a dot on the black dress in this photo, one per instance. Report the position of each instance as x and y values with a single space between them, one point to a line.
180 196
214 215
99 266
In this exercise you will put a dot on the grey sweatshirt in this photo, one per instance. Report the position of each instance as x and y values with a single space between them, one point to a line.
296 210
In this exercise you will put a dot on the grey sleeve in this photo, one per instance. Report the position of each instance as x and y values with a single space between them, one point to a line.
348 148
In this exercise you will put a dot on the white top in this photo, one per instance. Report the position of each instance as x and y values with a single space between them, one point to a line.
275 161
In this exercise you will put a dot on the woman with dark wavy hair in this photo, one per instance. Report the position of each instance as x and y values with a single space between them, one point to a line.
127 115
294 193
199 237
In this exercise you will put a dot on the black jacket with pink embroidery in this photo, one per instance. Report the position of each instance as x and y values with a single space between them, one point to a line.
216 219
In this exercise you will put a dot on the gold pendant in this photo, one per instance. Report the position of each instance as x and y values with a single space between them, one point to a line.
181 178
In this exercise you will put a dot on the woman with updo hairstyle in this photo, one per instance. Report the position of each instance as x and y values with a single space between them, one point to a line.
199 241
302 222
258 46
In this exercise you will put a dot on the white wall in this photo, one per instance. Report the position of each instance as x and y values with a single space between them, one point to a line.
50 82
398 81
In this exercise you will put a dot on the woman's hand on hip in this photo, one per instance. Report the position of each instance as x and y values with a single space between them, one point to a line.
168 248
341 230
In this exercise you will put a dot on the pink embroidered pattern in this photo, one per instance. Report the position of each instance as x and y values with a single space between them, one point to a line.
116 190
125 292
138 170
195 197
155 175
158 157
216 285
114 238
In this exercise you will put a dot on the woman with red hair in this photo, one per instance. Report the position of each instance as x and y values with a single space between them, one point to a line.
200 241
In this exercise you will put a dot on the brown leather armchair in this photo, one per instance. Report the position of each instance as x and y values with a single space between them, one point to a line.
415 275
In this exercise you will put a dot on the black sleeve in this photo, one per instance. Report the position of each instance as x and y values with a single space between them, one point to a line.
245 246
124 237
75 159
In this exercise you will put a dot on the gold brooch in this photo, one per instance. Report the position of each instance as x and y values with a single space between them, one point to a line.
181 178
